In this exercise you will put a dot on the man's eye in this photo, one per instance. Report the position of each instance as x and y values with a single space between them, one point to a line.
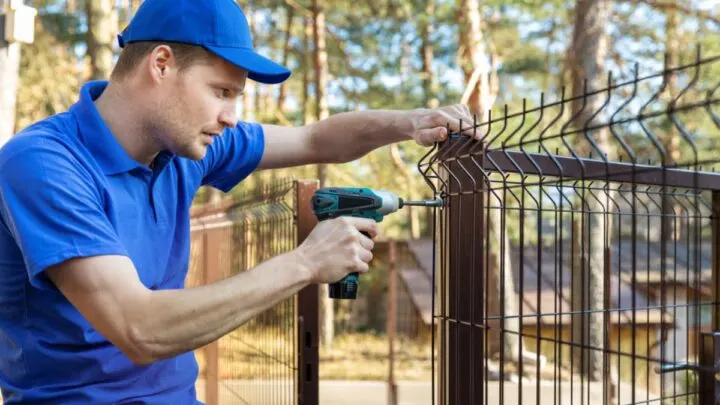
223 92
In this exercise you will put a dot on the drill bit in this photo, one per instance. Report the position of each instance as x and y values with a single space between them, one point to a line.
423 203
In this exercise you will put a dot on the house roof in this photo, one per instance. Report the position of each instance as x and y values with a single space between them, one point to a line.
420 290
555 281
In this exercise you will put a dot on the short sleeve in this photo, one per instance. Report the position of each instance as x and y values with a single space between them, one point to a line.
233 156
52 207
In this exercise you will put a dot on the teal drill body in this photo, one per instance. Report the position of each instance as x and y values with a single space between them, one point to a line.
333 202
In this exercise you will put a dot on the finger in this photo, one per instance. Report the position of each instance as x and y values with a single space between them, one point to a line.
455 121
365 255
363 225
460 122
427 137
361 266
366 242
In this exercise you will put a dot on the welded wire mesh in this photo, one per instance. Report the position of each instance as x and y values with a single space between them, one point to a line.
574 253
256 363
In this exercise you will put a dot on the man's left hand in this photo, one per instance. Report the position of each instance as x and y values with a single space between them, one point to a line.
431 125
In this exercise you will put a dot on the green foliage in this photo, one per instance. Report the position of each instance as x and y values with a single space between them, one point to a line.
49 79
375 61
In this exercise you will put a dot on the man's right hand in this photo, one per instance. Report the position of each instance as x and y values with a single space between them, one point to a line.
337 247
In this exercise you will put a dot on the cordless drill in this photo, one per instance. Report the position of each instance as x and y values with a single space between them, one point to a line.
333 202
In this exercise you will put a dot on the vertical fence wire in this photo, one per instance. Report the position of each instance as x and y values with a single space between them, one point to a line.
257 363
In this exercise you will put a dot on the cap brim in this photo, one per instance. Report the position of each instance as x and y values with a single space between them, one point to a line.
260 68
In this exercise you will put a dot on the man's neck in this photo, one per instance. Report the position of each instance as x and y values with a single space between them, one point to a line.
119 109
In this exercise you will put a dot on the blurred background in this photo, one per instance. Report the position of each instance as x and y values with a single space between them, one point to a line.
372 54
355 55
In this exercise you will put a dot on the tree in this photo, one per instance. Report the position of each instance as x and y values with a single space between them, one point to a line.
49 79
671 137
102 28
475 61
50 75
591 232
322 111
321 72
425 28
307 71
290 19
9 77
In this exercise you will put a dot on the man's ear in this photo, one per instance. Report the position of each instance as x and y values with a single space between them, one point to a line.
161 63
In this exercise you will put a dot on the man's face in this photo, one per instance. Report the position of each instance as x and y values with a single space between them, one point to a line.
196 105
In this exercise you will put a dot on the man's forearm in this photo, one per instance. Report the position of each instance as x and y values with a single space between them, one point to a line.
177 321
348 136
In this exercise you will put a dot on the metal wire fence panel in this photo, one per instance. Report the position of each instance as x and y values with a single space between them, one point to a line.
576 252
258 363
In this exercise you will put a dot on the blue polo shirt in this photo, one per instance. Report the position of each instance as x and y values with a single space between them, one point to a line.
68 189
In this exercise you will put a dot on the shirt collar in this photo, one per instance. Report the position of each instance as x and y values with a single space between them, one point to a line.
98 138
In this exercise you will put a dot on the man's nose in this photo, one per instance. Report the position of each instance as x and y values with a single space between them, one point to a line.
228 119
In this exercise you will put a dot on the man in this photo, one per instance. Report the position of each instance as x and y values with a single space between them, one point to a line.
94 212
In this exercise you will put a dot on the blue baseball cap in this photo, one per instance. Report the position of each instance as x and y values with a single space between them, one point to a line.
219 26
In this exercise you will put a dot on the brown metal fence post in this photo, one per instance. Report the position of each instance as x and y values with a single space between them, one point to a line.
392 321
211 273
708 389
465 282
716 260
307 304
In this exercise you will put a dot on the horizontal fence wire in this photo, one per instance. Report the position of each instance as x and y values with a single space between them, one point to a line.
574 252
256 363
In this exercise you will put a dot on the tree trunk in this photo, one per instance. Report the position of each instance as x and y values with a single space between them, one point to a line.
321 72
256 89
249 106
322 112
259 111
404 70
248 101
671 140
102 27
267 102
125 14
282 95
426 29
307 74
9 80
309 117
428 73
670 226
590 269
474 60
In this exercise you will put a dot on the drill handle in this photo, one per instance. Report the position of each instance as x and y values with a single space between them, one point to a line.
346 289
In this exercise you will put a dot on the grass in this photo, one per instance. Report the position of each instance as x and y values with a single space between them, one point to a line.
365 357
269 354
